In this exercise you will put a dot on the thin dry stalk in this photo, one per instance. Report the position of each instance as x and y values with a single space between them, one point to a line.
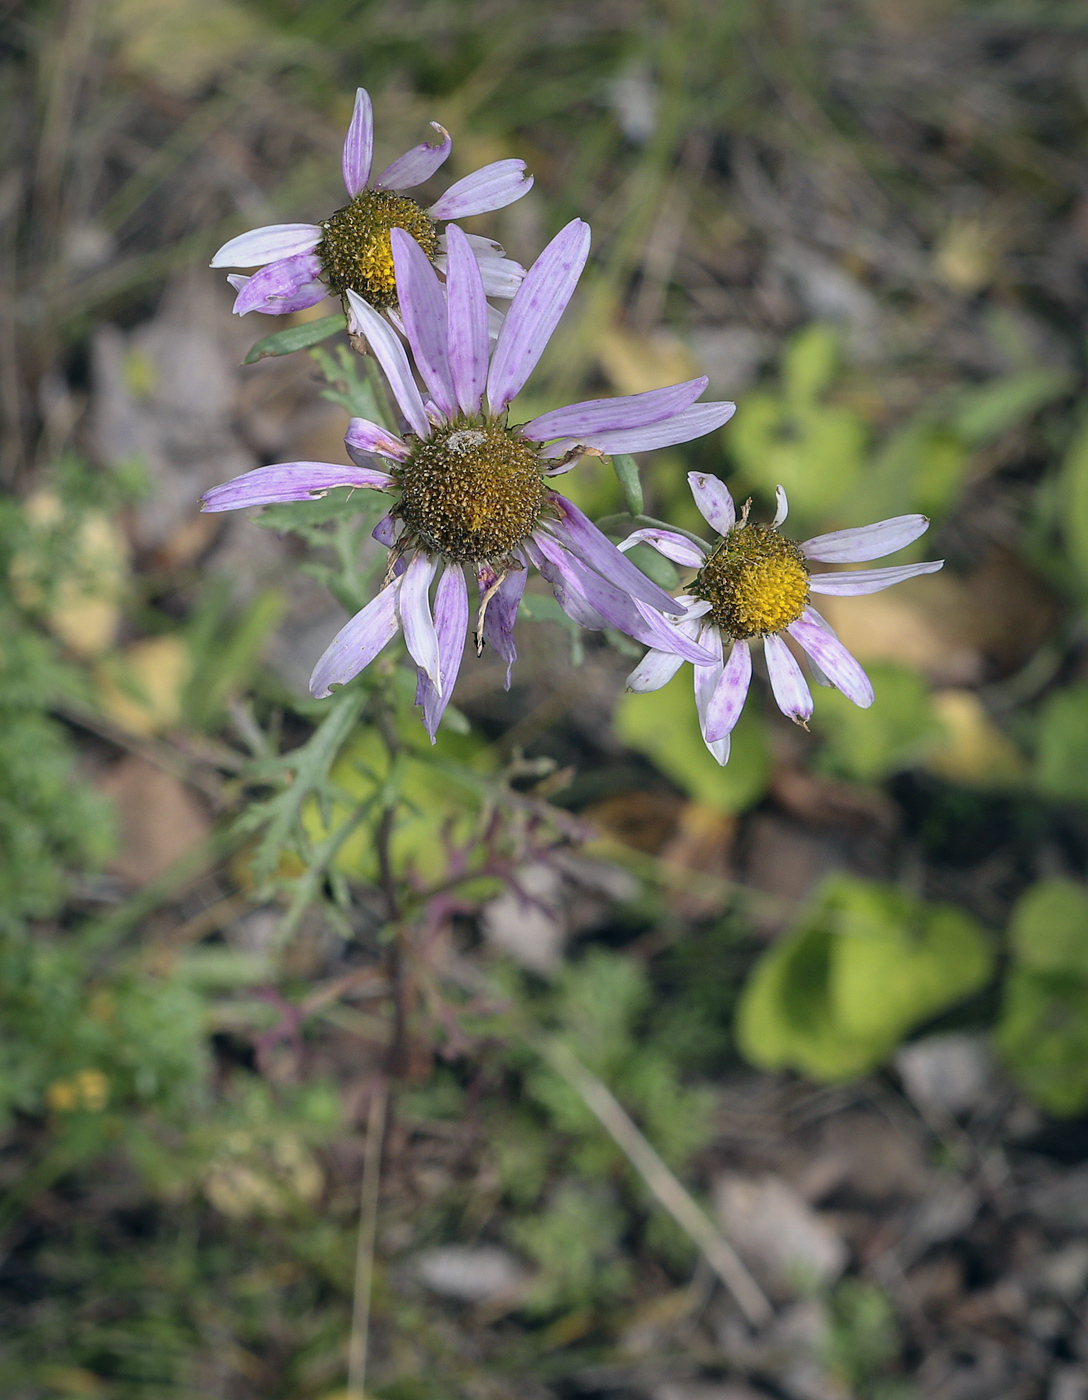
364 1247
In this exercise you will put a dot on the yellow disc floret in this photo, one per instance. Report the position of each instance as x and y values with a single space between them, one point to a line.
471 492
355 251
755 582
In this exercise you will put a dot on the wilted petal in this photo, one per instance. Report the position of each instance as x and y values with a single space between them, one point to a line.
579 534
364 437
714 501
290 481
358 642
866 541
502 612
492 187
309 294
535 311
501 276
655 669
269 244
725 705
414 605
423 310
358 144
870 580
782 507
605 415
416 165
787 683
467 322
385 532
274 287
692 423
389 353
834 660
678 548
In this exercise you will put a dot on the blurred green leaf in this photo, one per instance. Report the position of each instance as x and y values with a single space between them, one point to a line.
1049 927
295 338
664 725
1043 1037
1061 758
1073 492
626 470
863 966
868 745
985 413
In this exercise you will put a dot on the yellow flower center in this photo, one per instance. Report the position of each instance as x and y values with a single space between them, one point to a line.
471 491
355 251
755 582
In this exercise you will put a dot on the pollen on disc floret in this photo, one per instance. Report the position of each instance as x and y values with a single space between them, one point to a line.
355 251
471 492
756 582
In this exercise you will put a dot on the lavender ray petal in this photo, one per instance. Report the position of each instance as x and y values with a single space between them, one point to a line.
866 541
725 705
665 634
278 282
694 422
269 244
817 675
290 481
358 144
675 547
569 599
364 437
491 187
502 613
423 309
414 606
579 534
714 501
535 311
655 669
385 532
788 686
451 625
719 750
606 415
481 247
306 296
869 580
501 276
707 676
834 660
416 165
389 353
466 322
358 642
782 507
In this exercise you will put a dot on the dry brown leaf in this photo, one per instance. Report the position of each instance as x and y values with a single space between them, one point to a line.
973 750
635 362
159 820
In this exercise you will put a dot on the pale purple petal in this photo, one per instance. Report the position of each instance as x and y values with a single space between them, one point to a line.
467 322
492 187
358 144
664 634
385 532
290 481
866 541
451 625
870 580
782 507
306 296
279 282
269 244
364 437
817 675
571 601
423 310
501 276
692 423
714 501
678 548
707 678
535 311
579 534
787 683
415 616
390 354
358 642
834 660
725 705
655 669
603 415
502 612
416 165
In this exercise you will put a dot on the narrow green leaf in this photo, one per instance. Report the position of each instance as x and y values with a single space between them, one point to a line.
627 472
295 338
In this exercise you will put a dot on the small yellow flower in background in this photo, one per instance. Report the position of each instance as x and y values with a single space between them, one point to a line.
89 1089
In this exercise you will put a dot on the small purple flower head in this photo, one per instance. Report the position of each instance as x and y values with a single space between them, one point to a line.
755 584
302 263
472 491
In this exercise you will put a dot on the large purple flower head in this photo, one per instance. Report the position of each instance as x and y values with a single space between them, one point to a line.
755 584
471 490
302 263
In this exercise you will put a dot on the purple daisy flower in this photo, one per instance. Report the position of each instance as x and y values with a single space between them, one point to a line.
472 490
755 583
302 263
